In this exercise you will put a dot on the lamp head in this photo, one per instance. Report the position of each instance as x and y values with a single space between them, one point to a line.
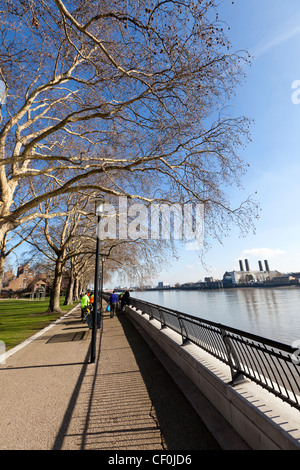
99 202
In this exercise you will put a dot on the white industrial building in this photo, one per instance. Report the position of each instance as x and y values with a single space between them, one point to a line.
246 275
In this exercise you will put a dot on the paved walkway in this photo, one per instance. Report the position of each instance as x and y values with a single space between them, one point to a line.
52 397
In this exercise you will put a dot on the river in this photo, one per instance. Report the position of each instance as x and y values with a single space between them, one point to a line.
273 313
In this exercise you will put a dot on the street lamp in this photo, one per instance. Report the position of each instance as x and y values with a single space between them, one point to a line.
99 209
101 287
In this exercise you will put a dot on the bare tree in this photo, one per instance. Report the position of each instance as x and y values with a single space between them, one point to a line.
126 97
68 242
56 239
80 271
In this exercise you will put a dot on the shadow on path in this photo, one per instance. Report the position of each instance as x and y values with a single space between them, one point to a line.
128 401
180 425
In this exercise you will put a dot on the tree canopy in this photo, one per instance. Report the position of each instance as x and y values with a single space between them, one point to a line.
127 98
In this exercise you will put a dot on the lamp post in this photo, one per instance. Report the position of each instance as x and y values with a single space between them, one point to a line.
99 209
101 288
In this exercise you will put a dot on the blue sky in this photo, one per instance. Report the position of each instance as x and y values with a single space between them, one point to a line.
270 31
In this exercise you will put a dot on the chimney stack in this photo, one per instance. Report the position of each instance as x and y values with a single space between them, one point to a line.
267 265
260 266
241 265
247 265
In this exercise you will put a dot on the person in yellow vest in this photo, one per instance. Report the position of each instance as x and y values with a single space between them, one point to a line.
84 303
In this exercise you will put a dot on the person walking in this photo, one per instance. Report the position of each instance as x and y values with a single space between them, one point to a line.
84 303
113 300
124 300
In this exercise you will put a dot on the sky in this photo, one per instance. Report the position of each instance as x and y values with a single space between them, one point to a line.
270 31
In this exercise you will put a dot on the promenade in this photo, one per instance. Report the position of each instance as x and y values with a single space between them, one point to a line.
53 398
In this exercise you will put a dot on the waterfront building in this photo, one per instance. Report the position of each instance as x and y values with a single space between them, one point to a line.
249 276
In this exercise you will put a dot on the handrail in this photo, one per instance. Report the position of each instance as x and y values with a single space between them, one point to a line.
269 363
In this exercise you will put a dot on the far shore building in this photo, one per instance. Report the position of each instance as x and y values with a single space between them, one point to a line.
246 275
24 280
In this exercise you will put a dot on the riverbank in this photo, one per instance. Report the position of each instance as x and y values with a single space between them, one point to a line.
219 285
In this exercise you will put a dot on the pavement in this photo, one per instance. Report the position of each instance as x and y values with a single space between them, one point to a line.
54 398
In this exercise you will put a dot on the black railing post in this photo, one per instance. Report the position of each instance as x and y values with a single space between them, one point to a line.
234 364
162 318
182 329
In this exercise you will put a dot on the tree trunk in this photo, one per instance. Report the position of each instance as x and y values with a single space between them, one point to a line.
67 292
55 291
69 295
76 288
3 255
2 259
80 286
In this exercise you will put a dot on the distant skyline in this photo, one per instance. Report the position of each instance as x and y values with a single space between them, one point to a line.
269 31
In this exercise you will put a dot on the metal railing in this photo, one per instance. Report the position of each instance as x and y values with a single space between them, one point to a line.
270 364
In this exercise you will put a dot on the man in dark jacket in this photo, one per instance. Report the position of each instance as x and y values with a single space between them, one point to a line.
124 299
113 300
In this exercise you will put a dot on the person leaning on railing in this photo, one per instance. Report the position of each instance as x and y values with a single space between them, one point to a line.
124 299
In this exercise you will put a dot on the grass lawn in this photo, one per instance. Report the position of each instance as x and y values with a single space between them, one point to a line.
20 319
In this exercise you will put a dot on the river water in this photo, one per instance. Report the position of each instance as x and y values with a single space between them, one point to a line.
273 313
